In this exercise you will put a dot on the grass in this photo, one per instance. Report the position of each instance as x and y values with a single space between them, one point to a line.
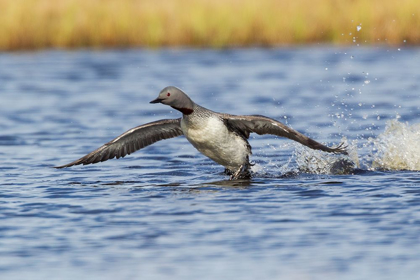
35 24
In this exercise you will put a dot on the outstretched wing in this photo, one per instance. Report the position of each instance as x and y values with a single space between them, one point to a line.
264 125
131 141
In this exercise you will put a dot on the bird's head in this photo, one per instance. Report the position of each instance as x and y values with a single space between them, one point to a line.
176 98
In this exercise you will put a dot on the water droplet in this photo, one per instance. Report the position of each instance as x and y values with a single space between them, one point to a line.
399 49
326 69
405 41
367 82
359 28
351 57
360 104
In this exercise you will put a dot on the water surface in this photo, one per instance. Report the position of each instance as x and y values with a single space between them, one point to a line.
167 211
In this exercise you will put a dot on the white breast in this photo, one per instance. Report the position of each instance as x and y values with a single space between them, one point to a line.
212 138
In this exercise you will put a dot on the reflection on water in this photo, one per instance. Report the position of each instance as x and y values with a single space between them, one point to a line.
241 183
169 212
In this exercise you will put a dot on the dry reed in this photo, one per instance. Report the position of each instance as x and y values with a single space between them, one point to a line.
34 24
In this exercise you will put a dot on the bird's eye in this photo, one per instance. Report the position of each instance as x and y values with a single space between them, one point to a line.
168 94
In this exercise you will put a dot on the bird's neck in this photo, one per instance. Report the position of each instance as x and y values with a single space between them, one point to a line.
185 111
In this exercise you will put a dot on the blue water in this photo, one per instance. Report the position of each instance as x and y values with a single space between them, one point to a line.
167 212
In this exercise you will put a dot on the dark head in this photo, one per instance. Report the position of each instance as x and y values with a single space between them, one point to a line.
175 98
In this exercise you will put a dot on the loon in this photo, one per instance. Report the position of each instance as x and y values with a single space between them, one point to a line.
221 137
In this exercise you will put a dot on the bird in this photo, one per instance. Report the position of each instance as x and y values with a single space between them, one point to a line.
219 136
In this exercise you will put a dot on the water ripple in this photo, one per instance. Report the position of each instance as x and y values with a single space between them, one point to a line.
168 212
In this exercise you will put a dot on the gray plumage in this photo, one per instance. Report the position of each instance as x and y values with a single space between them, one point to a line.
264 125
131 141
221 137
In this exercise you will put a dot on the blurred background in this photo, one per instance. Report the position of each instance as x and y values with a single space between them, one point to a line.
35 24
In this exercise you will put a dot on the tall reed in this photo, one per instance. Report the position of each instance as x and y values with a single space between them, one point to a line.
34 24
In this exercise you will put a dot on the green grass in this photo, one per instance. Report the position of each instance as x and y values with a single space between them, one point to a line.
35 24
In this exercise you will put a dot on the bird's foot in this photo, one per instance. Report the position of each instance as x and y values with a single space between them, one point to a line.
228 172
241 173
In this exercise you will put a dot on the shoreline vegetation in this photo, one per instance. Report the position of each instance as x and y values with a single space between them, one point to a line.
39 24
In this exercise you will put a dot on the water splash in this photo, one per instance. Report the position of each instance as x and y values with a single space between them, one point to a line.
285 169
318 162
397 148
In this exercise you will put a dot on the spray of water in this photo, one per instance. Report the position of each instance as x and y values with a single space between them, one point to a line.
318 162
397 148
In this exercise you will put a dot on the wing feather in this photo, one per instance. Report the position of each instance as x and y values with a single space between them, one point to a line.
131 141
264 125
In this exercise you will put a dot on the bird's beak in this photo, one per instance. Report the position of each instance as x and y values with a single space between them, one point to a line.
157 100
